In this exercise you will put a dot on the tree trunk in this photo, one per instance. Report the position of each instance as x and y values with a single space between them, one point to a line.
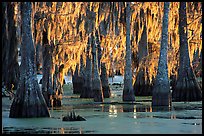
39 57
186 88
77 81
142 86
128 94
87 91
47 78
161 89
96 82
58 86
10 48
104 81
5 41
28 101
196 65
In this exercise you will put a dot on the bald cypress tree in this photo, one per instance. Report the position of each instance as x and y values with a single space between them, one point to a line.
161 89
186 86
142 86
10 70
128 94
28 101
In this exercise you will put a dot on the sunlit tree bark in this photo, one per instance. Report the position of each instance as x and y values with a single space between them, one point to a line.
87 91
39 57
28 101
58 82
102 67
128 94
186 88
196 63
161 89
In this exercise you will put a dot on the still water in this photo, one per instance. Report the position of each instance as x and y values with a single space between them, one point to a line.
111 117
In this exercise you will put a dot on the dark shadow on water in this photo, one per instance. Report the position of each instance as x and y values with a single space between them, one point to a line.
22 130
161 108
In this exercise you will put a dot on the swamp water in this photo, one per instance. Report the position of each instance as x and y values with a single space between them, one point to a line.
111 117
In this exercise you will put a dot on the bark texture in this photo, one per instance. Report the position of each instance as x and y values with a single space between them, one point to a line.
104 80
186 86
128 94
57 86
87 91
77 81
47 78
161 89
96 82
28 101
142 86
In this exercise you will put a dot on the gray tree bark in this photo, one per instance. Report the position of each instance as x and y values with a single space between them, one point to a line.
28 101
161 89
128 94
87 91
186 86
96 82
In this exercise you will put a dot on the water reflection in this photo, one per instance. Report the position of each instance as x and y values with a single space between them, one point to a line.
138 111
136 108
114 109
117 108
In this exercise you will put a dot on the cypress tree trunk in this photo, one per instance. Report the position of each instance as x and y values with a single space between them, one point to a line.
58 85
81 74
39 57
96 82
128 94
87 91
142 85
10 48
104 80
196 65
28 101
161 89
47 78
186 88
77 81
5 41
